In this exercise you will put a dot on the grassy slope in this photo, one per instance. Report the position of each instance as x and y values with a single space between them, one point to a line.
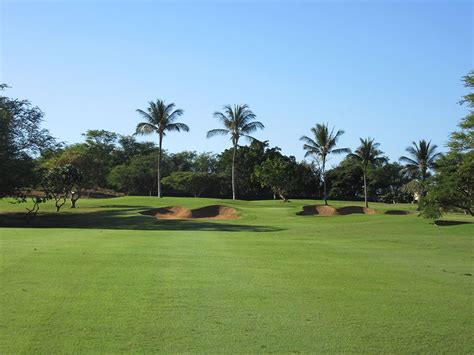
113 280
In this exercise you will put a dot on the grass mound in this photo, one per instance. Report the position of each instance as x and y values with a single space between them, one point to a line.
180 212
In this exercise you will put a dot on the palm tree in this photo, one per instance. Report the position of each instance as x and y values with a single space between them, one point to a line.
238 121
422 158
323 144
367 154
160 118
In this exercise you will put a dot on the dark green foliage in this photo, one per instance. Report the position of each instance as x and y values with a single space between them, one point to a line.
345 181
190 182
278 173
429 208
136 177
128 147
453 185
248 157
21 139
386 183
99 148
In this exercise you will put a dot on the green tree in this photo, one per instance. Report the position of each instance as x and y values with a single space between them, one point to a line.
368 154
99 149
278 173
386 182
182 161
59 183
422 158
138 176
453 184
238 121
129 147
81 158
248 157
22 139
345 180
323 143
190 182
160 118
462 141
205 163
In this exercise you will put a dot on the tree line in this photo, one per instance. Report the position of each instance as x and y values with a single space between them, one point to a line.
34 165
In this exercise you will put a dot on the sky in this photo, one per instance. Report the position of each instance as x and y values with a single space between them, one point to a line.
390 70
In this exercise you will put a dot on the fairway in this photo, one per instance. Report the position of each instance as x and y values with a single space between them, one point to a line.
104 278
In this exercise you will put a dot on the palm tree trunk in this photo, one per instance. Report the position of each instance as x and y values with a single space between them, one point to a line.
323 174
233 172
365 189
422 191
159 167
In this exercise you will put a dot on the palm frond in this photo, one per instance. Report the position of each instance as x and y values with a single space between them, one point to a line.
145 128
341 151
217 132
146 116
226 121
177 127
252 127
354 156
173 116
168 109
250 138
309 141
310 153
237 120
408 160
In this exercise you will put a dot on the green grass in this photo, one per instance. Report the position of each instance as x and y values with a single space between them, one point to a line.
108 279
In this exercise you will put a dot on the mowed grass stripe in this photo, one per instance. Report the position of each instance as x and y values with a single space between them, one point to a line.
294 284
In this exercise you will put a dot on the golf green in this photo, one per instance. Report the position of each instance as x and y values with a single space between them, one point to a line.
104 278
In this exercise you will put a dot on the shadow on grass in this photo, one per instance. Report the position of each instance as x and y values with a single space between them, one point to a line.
127 207
445 223
123 219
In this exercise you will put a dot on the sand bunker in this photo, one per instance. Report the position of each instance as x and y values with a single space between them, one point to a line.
355 209
170 212
397 212
215 211
319 210
324 210
179 212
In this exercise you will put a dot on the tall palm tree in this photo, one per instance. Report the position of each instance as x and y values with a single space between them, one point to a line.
367 154
160 118
422 158
323 144
238 121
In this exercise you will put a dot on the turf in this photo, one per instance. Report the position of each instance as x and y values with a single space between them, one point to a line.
104 278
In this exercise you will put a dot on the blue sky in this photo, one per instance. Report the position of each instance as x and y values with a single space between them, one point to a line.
385 69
